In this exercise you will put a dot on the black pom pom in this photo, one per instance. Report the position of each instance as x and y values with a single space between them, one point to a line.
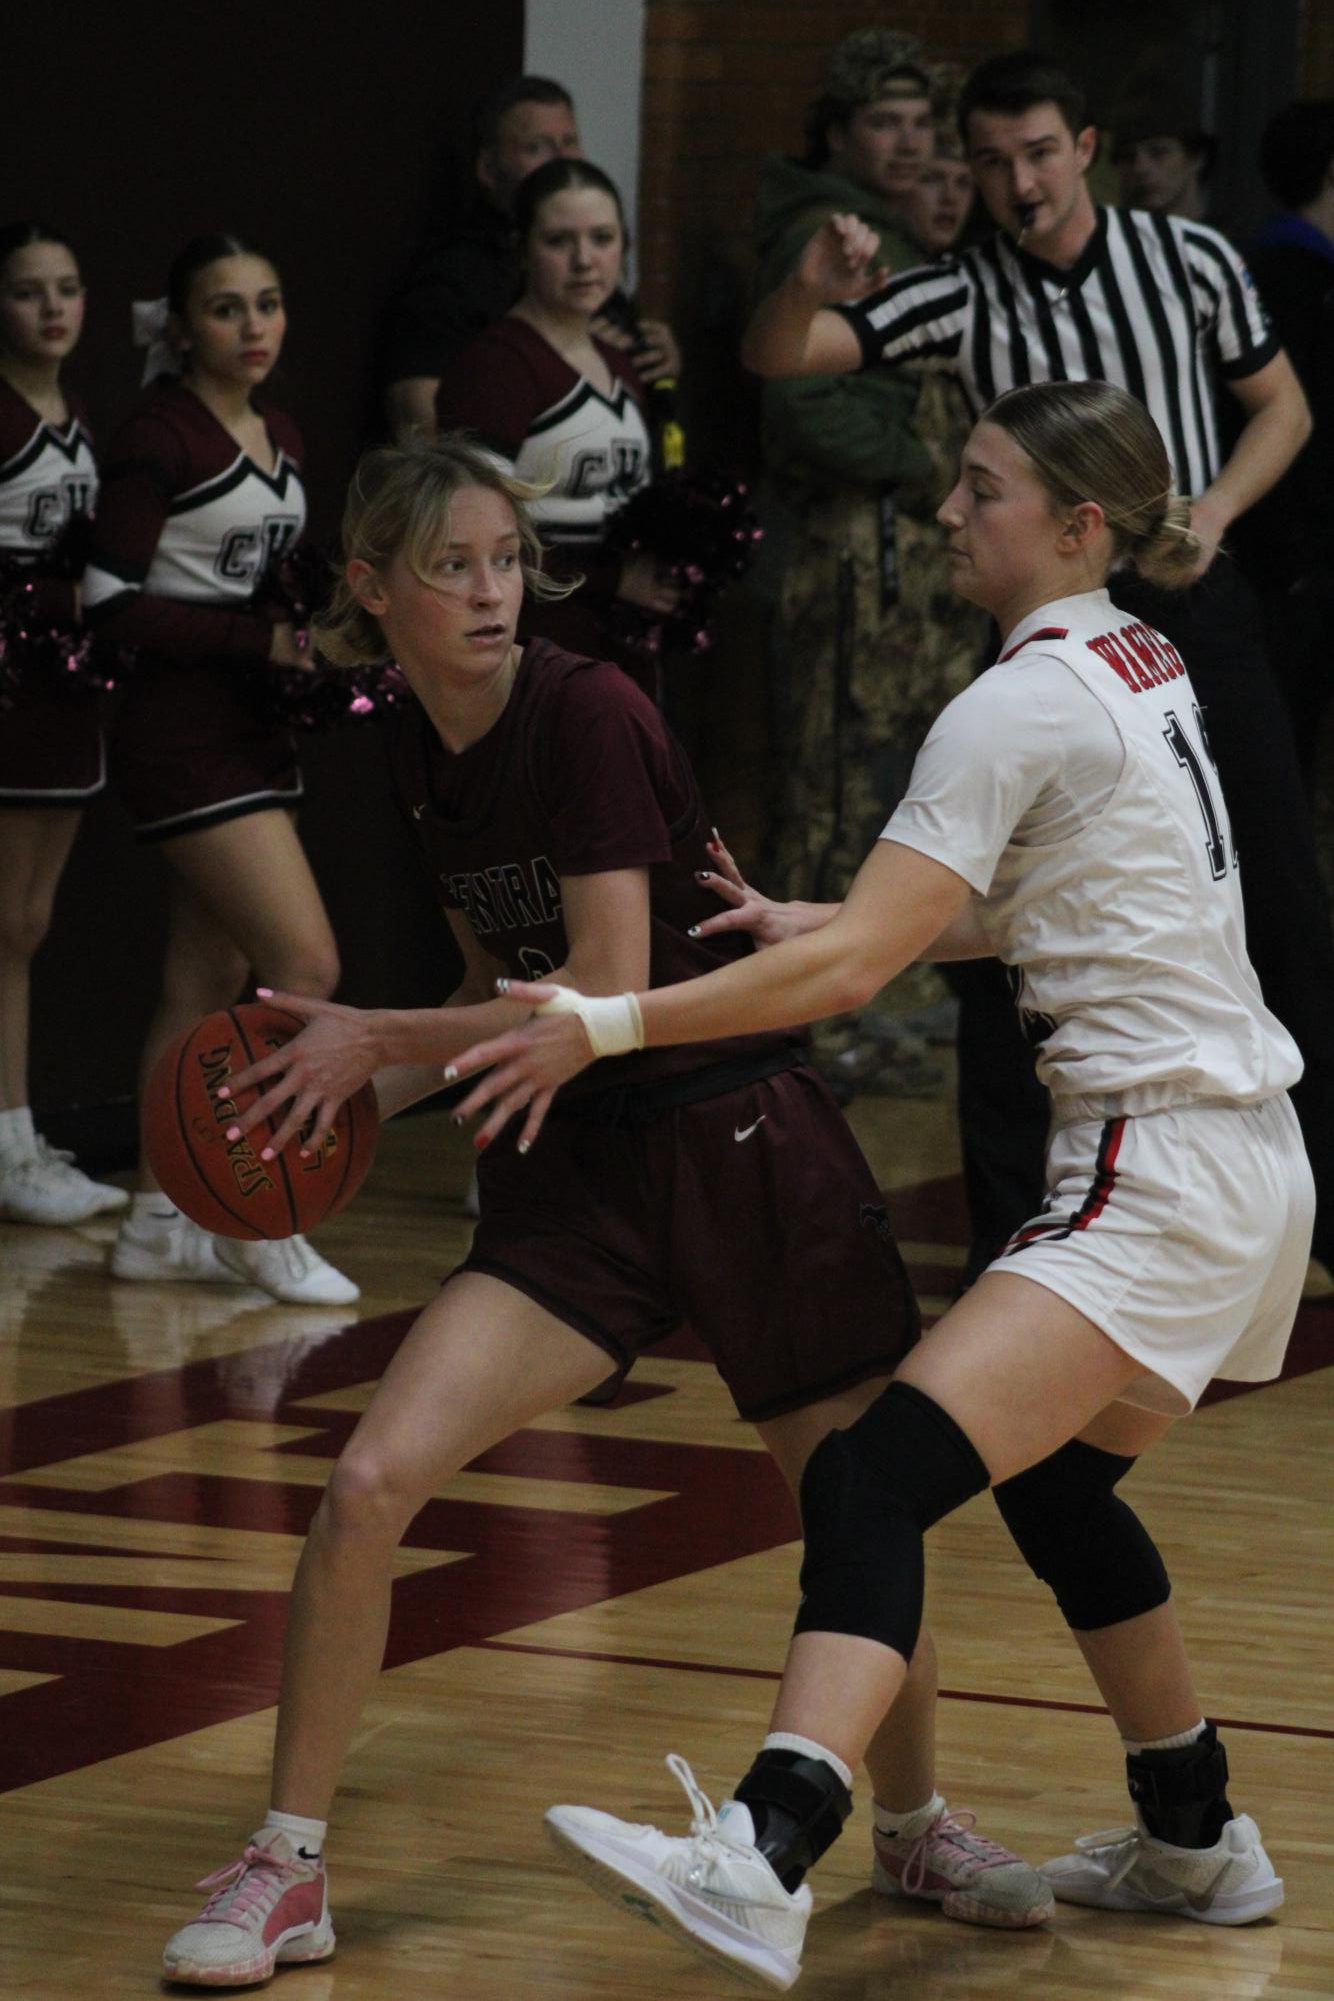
40 644
699 527
294 590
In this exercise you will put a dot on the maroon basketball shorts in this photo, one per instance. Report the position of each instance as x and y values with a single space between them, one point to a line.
188 751
751 1217
52 748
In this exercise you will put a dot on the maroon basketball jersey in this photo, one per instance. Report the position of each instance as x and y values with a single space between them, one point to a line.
579 776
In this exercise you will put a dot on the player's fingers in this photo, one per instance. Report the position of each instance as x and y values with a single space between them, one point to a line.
482 1055
502 1112
725 859
266 1106
531 992
726 920
303 1004
297 1116
532 1125
277 1063
721 885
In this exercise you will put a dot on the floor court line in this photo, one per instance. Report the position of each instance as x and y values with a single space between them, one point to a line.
945 1694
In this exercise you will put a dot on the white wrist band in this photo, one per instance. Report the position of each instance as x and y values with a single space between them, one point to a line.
612 1022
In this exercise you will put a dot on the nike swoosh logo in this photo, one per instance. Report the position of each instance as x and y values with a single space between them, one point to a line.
739 1135
1163 1890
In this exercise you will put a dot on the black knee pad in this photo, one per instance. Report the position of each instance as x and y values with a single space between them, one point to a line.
1077 1534
868 1496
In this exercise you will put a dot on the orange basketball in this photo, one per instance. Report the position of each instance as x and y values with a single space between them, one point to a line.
223 1184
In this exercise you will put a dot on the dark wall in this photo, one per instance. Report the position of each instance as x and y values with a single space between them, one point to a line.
318 134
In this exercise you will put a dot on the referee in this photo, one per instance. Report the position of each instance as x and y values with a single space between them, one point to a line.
1164 307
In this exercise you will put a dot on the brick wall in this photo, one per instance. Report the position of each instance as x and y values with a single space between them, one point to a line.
726 81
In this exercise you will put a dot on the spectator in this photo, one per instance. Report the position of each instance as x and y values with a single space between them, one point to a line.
469 271
1287 542
1163 157
844 466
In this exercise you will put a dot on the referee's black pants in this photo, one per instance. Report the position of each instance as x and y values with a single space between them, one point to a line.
1216 627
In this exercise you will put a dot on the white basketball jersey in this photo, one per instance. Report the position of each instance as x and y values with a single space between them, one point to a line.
1104 862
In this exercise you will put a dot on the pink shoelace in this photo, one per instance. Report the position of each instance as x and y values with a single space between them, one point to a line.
956 1830
242 1885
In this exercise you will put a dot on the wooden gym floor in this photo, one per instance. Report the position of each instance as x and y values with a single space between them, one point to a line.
608 1586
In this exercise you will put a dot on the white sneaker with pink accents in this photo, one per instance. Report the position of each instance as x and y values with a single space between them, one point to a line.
936 1854
271 1907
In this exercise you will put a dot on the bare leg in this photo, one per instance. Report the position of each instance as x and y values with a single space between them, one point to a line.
901 1759
1140 1664
1020 1371
34 847
478 1363
243 897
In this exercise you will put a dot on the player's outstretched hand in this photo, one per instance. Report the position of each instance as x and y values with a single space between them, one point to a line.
768 923
839 262
748 910
525 1068
313 1074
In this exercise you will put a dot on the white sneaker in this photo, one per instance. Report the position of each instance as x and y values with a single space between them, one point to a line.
173 1248
711 1887
1127 1869
271 1906
287 1268
45 1186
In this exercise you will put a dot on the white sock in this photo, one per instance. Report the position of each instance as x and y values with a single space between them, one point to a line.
1177 1743
788 1740
306 1836
909 1824
18 1139
152 1206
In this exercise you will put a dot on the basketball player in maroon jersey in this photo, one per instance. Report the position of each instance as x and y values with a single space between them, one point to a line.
565 829
202 490
52 753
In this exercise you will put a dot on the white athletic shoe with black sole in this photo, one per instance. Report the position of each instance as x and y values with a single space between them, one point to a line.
1126 1869
712 1887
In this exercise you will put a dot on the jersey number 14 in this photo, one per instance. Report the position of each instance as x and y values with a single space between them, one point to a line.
1188 757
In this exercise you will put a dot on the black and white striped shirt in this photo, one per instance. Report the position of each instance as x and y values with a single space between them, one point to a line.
1158 305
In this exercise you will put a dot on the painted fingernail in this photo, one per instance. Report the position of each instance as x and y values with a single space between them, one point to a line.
703 874
451 1073
265 993
482 1142
304 1152
502 986
693 932
266 1153
457 1119
523 1146
717 837
224 1090
233 1132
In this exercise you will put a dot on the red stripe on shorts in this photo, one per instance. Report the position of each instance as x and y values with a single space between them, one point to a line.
1089 1210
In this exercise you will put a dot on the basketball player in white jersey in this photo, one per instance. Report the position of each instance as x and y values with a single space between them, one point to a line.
1064 815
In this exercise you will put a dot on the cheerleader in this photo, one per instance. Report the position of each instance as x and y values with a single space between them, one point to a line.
202 493
52 755
564 408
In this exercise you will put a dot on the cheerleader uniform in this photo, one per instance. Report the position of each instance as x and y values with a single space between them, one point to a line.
187 525
52 745
551 425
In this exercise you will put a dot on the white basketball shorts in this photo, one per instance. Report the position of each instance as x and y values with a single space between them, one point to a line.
1184 1235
